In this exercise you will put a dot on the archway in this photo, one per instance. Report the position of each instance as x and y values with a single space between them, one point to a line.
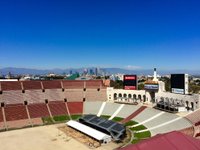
134 97
115 96
144 98
120 95
140 97
125 95
192 106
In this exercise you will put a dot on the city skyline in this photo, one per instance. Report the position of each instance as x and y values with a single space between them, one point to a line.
115 34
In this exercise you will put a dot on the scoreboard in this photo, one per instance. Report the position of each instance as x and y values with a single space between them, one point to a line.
179 83
130 82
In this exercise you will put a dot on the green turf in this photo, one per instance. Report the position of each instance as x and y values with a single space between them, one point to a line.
130 123
105 116
117 119
61 118
143 135
138 128
140 136
135 141
75 117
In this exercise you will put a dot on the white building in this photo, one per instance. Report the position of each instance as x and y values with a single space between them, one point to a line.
99 136
155 92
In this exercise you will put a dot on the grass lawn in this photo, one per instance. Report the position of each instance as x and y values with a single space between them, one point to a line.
140 136
130 123
59 119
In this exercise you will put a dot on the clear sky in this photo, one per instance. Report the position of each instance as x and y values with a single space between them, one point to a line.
105 33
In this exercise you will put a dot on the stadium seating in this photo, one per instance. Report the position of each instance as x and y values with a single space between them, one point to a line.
18 123
146 114
94 84
194 117
102 95
197 131
10 85
197 124
54 95
165 123
162 123
12 97
15 112
134 114
36 121
197 135
127 110
73 84
38 110
110 108
1 115
51 84
75 107
91 107
57 108
94 95
32 85
2 126
74 95
34 96
188 131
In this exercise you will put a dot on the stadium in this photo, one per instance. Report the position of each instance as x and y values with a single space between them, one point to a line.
80 114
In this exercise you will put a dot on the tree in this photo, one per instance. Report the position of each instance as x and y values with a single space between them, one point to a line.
116 84
194 88
141 86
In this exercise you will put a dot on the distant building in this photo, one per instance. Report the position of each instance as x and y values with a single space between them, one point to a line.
97 71
91 72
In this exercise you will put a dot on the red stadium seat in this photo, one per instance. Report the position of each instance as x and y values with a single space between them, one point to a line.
57 108
38 110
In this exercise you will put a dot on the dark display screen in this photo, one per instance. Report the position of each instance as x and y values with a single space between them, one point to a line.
178 81
130 82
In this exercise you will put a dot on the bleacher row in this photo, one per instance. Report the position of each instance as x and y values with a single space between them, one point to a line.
38 96
19 115
24 103
55 84
39 91
163 123
194 118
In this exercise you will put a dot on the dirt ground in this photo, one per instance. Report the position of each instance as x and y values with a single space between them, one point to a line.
43 138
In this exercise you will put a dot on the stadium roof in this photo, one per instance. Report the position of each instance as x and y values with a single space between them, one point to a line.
88 130
169 141
116 130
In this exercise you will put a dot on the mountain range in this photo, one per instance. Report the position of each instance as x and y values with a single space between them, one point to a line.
24 71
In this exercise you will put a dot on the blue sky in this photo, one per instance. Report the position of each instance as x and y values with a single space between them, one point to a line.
83 33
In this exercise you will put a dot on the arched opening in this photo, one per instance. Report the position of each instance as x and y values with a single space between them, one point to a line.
144 98
166 103
187 105
129 96
140 97
152 95
120 95
125 95
115 96
134 97
192 106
